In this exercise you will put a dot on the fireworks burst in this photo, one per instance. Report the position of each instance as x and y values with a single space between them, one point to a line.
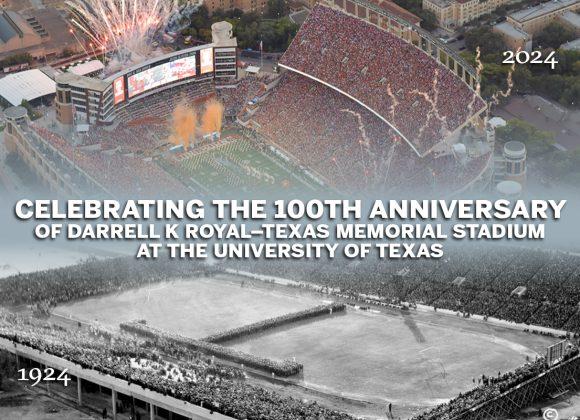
125 26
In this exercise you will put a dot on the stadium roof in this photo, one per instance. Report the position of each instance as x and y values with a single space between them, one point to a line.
26 85
88 67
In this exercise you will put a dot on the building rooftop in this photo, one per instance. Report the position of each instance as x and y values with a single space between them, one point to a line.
15 112
572 45
395 9
537 11
572 19
511 30
26 85
88 67
12 25
442 3
83 81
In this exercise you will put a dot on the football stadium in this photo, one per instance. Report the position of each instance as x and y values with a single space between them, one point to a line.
363 102
483 334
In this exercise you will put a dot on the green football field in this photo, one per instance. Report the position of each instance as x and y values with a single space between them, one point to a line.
236 165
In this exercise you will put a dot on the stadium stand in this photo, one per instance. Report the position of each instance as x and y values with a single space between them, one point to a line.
122 174
347 145
219 388
551 279
552 284
419 97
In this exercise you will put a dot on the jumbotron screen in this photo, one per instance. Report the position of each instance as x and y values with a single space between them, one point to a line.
160 75
206 60
119 90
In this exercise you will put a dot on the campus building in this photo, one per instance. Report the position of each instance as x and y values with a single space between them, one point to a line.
456 13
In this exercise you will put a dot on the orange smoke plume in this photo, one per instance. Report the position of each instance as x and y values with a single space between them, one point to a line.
212 117
184 123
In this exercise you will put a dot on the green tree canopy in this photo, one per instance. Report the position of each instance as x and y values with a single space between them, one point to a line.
553 35
537 142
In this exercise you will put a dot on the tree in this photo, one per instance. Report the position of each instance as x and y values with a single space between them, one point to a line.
16 59
488 41
277 8
537 142
429 20
553 35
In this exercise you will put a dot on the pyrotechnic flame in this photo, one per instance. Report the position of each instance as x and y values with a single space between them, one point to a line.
122 25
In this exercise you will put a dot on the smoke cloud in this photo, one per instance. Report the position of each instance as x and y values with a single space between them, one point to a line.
212 117
186 126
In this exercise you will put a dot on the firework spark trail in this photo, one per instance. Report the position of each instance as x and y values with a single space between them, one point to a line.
434 111
389 160
340 171
503 94
478 70
366 141
395 102
122 25
361 126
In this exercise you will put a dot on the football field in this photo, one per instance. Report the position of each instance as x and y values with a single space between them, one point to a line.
236 165
413 361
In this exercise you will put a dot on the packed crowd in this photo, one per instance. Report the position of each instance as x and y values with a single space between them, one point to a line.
275 367
406 86
234 98
348 146
491 388
266 324
91 278
479 280
217 388
123 174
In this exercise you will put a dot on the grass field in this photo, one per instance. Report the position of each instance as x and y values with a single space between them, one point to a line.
235 165
413 361
390 358
194 308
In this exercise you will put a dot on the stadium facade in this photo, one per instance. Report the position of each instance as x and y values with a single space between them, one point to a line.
85 101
